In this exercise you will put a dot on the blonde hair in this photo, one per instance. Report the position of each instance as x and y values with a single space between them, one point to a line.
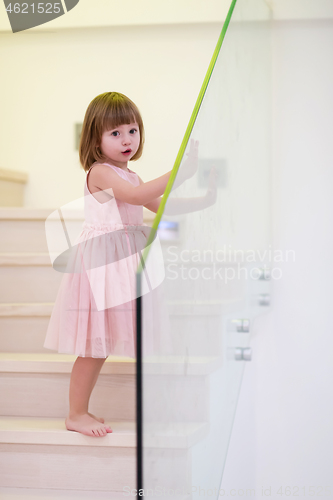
106 112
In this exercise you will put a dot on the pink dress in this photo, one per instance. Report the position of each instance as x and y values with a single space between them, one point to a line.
94 314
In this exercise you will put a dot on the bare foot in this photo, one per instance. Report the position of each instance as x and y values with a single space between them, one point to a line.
99 419
87 425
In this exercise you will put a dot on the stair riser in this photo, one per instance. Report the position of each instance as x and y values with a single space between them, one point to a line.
92 468
29 284
113 398
47 395
189 402
67 467
167 471
23 334
196 335
23 236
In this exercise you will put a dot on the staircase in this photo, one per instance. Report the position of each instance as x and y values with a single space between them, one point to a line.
39 458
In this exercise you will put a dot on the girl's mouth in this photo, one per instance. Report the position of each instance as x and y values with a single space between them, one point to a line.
127 152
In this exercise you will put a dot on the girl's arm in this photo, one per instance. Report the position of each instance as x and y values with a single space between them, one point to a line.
153 205
146 193
104 178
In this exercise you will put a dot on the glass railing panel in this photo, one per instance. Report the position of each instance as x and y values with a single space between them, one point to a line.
200 283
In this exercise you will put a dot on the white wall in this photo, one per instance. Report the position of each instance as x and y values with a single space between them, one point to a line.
283 428
301 9
50 78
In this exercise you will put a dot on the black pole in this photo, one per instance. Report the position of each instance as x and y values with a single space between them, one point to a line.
139 456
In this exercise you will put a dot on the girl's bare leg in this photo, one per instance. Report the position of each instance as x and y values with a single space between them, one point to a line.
83 379
93 385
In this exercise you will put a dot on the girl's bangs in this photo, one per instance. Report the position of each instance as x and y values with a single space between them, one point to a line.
122 113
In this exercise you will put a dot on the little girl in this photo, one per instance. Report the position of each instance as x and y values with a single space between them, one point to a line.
112 134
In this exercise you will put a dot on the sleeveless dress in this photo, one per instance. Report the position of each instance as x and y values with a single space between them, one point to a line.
94 314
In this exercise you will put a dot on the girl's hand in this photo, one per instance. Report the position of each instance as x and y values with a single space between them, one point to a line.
211 193
190 164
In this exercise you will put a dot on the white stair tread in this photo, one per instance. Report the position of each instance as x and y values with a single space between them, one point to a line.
33 430
52 431
62 363
58 363
25 213
176 307
44 494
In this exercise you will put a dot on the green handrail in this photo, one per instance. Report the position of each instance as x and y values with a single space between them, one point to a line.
186 136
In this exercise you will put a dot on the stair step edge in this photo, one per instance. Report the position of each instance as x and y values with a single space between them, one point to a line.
50 431
26 309
59 363
25 259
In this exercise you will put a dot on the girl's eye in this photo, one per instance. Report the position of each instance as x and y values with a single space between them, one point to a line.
116 132
134 130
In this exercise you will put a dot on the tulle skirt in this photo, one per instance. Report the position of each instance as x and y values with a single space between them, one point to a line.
94 314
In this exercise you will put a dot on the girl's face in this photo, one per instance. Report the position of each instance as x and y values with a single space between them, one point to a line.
121 144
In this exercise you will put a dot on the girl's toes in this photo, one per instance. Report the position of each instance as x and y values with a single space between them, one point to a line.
102 431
